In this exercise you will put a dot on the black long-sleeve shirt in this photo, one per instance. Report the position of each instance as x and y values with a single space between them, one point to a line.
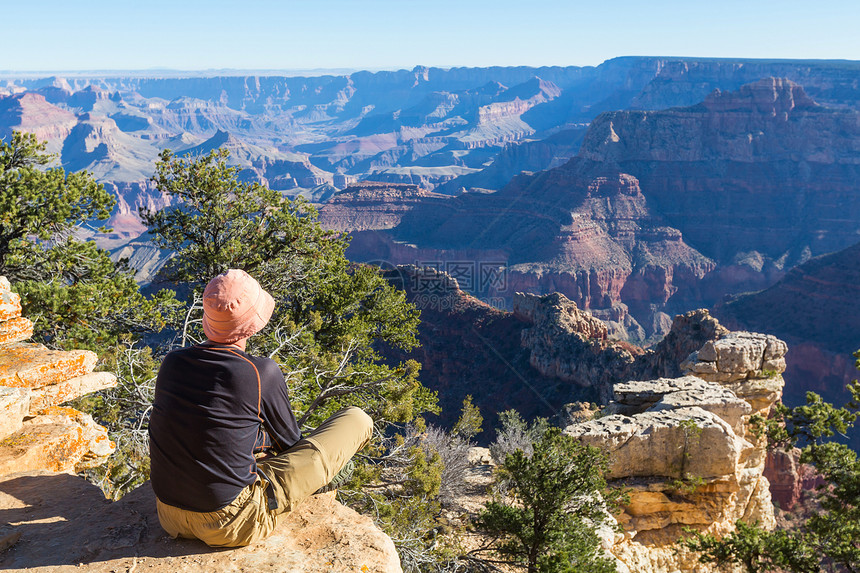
213 406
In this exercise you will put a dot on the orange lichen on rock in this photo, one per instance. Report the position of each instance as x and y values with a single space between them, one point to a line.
52 447
14 405
10 303
26 365
36 433
70 389
15 330
58 439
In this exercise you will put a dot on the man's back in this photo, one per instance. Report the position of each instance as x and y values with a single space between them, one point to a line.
213 405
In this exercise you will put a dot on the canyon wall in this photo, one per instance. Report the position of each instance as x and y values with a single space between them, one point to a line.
763 170
428 126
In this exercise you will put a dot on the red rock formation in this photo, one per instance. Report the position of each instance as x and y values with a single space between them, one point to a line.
588 234
782 470
597 229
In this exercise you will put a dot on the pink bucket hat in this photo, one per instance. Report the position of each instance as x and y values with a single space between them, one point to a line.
235 306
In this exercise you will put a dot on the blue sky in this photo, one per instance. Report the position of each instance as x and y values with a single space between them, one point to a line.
388 34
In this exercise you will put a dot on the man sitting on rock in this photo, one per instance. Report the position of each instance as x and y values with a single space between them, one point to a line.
214 407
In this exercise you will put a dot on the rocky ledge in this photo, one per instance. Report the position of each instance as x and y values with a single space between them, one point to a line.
62 523
55 521
684 450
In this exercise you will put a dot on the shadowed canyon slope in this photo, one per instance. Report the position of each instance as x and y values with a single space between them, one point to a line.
814 308
545 354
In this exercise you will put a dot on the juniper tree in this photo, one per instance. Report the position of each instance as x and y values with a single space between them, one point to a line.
554 500
330 314
71 289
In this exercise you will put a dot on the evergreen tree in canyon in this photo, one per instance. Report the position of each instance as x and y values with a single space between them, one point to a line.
330 315
76 296
548 505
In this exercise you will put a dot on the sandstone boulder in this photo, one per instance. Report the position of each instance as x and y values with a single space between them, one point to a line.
738 356
27 365
62 523
667 444
747 363
673 393
55 394
639 395
15 330
34 432
683 449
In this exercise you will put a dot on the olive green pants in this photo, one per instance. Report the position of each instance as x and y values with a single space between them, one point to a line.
284 481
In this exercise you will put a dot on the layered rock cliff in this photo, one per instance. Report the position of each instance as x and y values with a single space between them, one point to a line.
676 429
30 112
469 347
36 432
570 344
764 169
587 233
684 450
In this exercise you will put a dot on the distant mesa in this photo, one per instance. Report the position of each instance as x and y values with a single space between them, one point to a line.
372 205
31 112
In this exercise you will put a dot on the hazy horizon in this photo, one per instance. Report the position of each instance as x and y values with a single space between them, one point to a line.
310 72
